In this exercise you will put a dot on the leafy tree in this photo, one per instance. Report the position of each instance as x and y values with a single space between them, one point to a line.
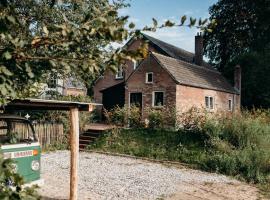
67 37
37 37
242 36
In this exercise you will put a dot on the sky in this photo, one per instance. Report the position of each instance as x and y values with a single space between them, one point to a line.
141 13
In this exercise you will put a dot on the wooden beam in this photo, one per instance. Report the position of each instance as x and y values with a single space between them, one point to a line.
74 148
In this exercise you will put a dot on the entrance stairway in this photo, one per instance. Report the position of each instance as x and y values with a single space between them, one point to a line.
91 133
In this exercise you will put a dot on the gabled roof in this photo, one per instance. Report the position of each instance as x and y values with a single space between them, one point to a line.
170 50
193 75
173 51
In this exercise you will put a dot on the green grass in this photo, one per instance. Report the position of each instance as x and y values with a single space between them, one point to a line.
237 145
247 164
157 144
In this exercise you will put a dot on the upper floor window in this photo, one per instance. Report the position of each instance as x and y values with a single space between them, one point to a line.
135 64
119 73
158 99
52 81
209 102
230 105
149 77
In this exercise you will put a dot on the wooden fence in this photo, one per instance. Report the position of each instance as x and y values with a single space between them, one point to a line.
48 133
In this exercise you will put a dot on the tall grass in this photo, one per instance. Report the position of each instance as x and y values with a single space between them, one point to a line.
236 145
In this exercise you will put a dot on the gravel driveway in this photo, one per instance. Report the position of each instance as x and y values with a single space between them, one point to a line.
113 177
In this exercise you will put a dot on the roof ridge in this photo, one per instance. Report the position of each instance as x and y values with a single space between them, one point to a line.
193 65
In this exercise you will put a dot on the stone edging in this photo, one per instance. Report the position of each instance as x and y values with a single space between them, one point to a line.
165 162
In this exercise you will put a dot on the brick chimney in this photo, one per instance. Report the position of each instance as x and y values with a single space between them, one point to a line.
198 60
237 77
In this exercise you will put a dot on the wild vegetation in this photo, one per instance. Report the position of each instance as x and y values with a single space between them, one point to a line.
236 145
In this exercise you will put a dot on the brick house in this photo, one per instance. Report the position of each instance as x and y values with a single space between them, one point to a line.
169 76
63 86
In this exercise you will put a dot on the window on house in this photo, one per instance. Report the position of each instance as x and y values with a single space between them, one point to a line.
119 73
209 102
230 105
149 77
158 99
52 81
135 64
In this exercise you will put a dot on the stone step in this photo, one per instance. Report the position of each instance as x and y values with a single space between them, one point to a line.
93 134
87 137
85 142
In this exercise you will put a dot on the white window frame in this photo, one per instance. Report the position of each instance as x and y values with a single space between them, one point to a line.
120 73
153 99
135 64
146 77
208 107
230 105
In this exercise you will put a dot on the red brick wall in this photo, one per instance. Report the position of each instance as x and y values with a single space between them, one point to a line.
187 97
75 92
162 81
109 80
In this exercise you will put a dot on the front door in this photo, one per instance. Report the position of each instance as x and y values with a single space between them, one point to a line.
136 99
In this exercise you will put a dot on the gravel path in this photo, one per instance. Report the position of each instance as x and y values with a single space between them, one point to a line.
113 177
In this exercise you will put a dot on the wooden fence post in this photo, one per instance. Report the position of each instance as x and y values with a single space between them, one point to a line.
74 148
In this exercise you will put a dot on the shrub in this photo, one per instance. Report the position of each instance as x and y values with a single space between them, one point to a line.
192 120
124 116
117 116
155 118
135 117
161 118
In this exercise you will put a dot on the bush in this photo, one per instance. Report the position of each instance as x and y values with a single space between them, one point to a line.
155 118
117 116
124 116
161 118
135 117
192 120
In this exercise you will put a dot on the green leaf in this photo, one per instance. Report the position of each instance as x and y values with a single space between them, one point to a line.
168 23
29 70
204 21
192 21
11 19
7 55
5 71
131 25
45 30
183 19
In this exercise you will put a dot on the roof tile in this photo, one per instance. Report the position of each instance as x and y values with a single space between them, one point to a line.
194 75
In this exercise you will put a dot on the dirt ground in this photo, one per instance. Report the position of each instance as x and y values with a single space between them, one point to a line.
217 191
